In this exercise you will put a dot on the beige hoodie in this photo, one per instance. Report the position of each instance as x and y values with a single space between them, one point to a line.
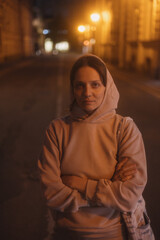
86 146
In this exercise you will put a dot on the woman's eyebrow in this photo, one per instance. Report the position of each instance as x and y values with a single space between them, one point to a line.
96 80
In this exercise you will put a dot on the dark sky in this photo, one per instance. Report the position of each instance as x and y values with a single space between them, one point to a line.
62 15
76 9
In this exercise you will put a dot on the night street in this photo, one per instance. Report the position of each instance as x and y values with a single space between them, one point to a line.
32 93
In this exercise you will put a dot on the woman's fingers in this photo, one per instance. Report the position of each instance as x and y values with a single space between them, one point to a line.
124 171
125 175
121 163
129 172
75 182
124 179
124 165
129 168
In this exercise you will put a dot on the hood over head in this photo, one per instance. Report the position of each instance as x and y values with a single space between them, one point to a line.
111 96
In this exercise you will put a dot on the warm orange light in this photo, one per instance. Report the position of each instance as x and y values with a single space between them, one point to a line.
86 43
106 16
93 28
92 41
81 28
95 17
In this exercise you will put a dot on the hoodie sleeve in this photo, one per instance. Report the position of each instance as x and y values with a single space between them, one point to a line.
58 196
122 196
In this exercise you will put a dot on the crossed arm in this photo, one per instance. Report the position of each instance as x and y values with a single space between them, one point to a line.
121 192
124 171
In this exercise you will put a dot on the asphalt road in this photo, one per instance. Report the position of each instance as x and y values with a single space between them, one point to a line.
32 93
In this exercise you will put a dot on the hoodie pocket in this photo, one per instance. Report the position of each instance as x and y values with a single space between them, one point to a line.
138 228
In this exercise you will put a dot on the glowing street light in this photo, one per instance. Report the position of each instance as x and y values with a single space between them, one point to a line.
106 16
81 28
95 17
86 43
48 45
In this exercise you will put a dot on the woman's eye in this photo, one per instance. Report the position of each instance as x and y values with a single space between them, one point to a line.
79 85
95 85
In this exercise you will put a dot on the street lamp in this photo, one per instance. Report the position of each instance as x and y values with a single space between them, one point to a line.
81 28
106 16
95 17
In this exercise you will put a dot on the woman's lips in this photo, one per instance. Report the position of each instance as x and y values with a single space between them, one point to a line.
88 101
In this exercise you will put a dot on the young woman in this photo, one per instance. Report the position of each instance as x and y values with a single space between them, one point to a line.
93 164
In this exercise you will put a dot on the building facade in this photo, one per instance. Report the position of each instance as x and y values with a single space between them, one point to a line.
130 36
143 36
15 29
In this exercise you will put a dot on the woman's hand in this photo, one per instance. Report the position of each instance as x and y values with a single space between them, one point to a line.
75 182
124 171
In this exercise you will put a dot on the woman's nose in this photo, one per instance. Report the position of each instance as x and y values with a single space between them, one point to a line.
87 91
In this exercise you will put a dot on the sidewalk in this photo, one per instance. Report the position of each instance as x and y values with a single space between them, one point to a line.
136 79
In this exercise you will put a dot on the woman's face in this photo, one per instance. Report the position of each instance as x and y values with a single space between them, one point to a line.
88 89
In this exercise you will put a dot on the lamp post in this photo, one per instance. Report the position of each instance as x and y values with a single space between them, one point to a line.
81 29
95 33
101 30
84 37
95 18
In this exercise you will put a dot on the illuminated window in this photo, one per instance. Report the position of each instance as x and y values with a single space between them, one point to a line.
48 45
62 46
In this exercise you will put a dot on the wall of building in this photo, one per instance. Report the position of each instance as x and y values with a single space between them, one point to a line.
132 37
145 46
15 29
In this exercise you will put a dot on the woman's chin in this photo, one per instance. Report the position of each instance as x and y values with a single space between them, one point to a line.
88 110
